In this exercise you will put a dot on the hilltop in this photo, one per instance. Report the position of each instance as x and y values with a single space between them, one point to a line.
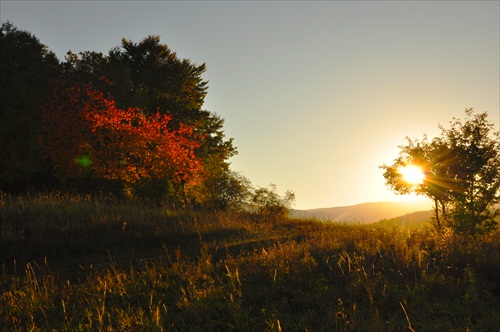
365 213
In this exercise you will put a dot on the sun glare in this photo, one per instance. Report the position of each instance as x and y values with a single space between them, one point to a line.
412 174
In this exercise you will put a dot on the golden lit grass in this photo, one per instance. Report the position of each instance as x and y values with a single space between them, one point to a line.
79 264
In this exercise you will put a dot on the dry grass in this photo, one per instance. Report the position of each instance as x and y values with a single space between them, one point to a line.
76 263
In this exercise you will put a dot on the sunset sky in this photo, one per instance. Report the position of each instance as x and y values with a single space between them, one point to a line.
317 95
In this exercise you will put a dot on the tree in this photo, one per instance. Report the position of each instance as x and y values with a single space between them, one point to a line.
65 133
146 75
149 76
84 132
430 158
27 69
267 202
97 119
475 169
462 173
223 190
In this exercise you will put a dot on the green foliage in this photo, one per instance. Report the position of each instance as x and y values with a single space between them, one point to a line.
223 190
462 173
78 263
267 202
476 173
146 75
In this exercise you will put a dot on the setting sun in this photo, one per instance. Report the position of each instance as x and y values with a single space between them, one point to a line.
412 174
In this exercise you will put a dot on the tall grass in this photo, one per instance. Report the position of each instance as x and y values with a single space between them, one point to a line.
75 263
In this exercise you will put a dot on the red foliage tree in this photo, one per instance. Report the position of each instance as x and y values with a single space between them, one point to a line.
83 130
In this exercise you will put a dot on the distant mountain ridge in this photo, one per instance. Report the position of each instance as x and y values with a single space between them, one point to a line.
365 213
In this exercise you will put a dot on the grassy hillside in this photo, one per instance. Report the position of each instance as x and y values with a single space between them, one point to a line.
75 263
410 220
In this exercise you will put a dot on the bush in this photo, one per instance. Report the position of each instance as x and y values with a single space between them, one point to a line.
267 202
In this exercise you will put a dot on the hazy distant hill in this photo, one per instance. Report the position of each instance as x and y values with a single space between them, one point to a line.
365 213
410 220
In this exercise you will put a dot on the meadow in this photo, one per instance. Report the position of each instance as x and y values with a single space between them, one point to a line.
77 263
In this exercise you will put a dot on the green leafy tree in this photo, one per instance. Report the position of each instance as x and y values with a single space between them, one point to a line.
223 190
476 172
146 75
462 173
267 202
27 69
161 81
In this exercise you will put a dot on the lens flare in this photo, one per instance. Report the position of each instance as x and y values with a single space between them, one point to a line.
83 161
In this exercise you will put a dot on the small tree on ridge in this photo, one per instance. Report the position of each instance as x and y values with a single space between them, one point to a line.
462 173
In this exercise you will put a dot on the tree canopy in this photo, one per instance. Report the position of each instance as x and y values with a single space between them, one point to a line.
133 117
84 130
27 69
461 171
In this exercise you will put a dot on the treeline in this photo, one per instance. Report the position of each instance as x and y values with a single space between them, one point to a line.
129 123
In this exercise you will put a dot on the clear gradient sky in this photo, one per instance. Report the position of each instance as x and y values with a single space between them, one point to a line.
317 95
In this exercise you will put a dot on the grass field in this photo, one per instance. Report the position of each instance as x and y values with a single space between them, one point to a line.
72 263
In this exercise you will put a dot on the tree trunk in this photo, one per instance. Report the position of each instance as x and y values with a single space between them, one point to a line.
436 211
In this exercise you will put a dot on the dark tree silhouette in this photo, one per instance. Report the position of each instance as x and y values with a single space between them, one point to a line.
27 69
462 173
